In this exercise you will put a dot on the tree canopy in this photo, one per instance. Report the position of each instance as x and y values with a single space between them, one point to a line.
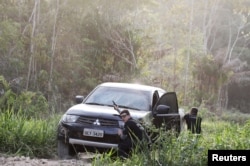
61 48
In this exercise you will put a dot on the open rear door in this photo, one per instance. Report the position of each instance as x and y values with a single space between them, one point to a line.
166 112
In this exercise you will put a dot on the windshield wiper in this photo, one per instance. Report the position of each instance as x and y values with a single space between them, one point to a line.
120 106
93 103
123 106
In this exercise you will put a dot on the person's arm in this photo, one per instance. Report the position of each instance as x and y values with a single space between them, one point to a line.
120 133
116 107
185 116
123 133
186 119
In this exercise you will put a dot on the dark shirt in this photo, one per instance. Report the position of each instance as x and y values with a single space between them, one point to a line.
193 123
132 130
133 135
190 119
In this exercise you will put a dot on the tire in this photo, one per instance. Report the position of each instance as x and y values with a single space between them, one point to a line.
63 150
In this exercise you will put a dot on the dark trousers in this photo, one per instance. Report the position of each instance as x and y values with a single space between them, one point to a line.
124 148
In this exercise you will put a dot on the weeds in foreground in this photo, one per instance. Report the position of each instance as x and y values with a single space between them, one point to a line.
26 136
188 149
36 137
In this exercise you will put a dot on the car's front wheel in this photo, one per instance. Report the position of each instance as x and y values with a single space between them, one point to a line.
64 150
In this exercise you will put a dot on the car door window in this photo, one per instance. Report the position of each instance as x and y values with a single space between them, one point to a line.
168 99
155 98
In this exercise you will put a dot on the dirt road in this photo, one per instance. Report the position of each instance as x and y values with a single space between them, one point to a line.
84 160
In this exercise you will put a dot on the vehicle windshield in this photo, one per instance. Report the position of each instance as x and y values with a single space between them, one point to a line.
124 98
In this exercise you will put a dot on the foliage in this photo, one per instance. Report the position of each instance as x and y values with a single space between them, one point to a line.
36 137
27 136
7 97
188 149
32 104
29 104
4 84
65 48
236 117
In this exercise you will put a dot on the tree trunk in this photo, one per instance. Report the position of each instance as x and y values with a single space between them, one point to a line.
32 44
53 47
188 54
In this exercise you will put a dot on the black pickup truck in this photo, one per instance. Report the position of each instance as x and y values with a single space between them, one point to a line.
93 122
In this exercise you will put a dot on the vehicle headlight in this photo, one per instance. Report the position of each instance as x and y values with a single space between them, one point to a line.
69 118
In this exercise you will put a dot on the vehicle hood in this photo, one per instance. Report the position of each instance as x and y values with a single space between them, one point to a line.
104 112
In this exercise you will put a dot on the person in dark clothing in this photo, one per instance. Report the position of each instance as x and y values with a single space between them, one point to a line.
130 136
193 121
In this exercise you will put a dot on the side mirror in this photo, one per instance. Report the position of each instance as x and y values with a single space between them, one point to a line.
79 99
162 109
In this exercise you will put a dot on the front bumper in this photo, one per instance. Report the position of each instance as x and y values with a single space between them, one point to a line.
93 144
73 134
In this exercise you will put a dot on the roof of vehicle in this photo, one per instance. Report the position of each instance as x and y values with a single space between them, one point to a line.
131 86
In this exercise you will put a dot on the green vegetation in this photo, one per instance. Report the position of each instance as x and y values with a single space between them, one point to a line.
22 135
34 137
188 149
62 49
53 50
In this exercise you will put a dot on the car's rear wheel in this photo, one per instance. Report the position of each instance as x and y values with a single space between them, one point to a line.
64 150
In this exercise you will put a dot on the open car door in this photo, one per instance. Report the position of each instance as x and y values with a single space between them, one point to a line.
165 112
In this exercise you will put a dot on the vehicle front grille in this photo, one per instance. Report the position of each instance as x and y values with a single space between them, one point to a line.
102 122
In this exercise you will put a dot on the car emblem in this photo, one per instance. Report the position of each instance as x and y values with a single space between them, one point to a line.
97 122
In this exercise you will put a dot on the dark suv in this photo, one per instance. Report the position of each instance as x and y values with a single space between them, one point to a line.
93 122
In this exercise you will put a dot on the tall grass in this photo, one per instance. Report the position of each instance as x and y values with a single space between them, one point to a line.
188 149
32 137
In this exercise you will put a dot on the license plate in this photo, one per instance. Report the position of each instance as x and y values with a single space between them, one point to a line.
93 133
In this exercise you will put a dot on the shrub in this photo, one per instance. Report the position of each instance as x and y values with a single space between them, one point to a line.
32 104
27 136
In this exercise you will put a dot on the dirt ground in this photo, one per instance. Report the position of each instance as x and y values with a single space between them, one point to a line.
83 160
